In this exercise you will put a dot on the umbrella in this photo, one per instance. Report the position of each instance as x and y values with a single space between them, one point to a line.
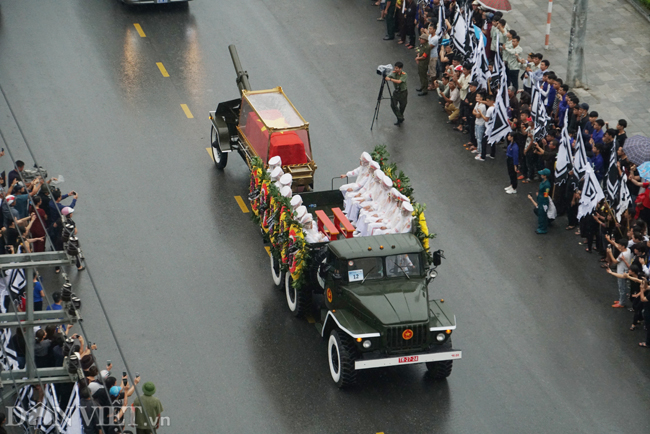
644 170
496 5
637 149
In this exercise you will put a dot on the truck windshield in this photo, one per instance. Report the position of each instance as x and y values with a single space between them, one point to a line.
365 268
400 265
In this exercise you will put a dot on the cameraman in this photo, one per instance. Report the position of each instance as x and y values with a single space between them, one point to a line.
400 95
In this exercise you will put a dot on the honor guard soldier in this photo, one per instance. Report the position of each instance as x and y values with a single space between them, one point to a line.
400 95
422 58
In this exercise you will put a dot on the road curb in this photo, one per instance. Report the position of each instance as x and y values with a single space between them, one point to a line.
640 9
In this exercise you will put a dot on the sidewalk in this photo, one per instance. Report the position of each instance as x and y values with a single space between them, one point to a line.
617 60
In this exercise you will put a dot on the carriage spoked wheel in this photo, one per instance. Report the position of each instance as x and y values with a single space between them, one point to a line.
220 158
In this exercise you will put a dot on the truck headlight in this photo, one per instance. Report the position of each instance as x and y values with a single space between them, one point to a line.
367 343
440 337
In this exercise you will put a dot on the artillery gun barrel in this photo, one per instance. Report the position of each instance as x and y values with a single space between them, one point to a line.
242 76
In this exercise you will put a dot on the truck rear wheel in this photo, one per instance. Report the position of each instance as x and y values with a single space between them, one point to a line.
299 301
220 159
340 356
440 370
276 272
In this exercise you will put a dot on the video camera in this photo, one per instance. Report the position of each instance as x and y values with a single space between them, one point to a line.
31 174
384 69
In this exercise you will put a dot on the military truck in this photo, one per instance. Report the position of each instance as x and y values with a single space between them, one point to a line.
370 300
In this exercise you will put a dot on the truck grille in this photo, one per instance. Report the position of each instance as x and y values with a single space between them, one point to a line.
395 341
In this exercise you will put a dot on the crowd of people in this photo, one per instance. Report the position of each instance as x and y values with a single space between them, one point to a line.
542 118
36 217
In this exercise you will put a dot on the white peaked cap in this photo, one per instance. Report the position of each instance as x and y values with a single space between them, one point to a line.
407 207
300 212
366 157
307 218
374 165
296 201
379 174
286 179
388 182
285 191
276 173
275 161
395 193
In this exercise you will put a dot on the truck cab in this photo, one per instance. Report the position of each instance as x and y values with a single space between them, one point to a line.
376 308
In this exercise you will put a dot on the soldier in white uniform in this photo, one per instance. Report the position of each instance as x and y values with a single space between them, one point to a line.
376 209
391 217
360 172
296 201
285 192
402 224
354 188
276 174
275 162
312 234
366 195
285 181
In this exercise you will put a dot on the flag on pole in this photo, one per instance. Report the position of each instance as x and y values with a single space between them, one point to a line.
591 193
499 70
498 126
480 72
441 22
72 422
613 179
563 164
624 199
459 36
580 162
538 112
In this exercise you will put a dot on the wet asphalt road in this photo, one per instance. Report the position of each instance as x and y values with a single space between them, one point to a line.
183 272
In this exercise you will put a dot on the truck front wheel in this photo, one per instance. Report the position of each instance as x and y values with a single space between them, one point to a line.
276 272
340 355
440 370
298 300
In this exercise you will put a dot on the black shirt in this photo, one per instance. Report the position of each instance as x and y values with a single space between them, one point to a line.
620 140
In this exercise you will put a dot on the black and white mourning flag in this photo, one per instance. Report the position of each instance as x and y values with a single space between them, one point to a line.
49 413
563 164
459 36
498 126
499 70
480 71
613 178
624 198
591 193
580 162
441 22
538 112
72 419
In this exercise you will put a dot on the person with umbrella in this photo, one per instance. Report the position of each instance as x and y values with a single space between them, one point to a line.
541 203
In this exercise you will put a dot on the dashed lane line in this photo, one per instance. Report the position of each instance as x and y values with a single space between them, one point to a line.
163 71
138 29
241 204
187 111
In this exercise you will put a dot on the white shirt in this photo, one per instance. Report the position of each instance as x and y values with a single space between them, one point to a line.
454 95
621 268
481 108
433 41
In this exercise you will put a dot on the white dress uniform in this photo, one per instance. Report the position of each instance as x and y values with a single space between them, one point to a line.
312 234
285 191
376 209
391 216
360 172
276 174
365 195
405 222
296 201
362 182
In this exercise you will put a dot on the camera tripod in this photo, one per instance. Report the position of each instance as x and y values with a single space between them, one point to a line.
384 83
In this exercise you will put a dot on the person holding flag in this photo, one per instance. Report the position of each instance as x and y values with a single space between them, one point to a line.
541 203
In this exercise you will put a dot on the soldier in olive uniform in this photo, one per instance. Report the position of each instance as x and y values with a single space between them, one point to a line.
422 58
400 95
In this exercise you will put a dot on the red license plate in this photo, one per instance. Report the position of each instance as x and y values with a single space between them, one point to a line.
408 359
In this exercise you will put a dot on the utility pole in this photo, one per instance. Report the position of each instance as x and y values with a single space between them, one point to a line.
576 61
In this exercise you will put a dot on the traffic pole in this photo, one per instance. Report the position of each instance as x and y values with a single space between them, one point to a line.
548 23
